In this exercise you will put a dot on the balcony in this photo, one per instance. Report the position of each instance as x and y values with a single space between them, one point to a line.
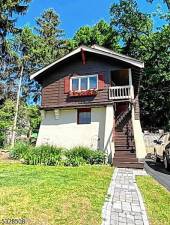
121 92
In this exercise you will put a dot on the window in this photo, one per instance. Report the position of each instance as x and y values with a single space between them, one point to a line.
84 116
75 84
84 82
93 82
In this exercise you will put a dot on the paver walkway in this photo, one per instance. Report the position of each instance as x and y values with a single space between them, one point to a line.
124 204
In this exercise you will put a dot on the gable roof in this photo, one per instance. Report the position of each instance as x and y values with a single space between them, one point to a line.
97 50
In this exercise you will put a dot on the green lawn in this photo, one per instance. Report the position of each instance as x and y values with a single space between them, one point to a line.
157 200
53 195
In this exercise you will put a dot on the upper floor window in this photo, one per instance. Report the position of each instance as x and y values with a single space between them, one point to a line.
84 82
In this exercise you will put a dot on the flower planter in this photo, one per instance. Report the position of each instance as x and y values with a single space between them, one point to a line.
83 93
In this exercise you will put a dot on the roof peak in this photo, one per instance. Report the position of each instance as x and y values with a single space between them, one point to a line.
96 49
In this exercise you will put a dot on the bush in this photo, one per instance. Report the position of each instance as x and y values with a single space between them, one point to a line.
19 150
75 161
88 155
52 156
97 157
47 155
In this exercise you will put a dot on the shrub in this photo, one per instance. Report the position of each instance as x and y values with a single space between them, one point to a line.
80 151
51 156
47 155
75 161
19 150
88 155
97 157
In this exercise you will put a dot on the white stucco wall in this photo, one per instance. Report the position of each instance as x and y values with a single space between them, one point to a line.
138 136
65 131
108 136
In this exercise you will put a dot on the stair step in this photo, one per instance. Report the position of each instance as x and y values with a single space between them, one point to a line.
120 135
128 145
123 138
124 148
129 140
124 159
123 129
124 154
129 165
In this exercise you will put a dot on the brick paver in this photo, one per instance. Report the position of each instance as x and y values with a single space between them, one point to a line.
124 204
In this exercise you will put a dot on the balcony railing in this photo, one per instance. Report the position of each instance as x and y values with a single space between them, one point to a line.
121 92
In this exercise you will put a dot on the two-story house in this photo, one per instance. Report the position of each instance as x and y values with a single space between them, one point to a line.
90 98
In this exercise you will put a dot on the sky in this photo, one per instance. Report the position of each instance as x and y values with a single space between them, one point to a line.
76 13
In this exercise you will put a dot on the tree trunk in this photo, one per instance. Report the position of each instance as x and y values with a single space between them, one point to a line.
17 108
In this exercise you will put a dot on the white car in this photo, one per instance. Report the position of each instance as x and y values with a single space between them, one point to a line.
160 146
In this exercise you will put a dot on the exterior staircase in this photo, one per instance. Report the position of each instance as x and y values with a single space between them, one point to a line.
125 154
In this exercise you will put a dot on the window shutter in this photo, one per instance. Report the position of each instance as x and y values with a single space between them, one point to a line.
66 85
101 81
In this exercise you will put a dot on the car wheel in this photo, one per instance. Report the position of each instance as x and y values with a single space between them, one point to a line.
166 164
157 159
156 156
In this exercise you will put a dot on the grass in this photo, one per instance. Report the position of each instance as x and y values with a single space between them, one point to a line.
157 200
53 195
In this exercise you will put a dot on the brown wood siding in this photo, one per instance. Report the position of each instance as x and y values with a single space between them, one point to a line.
53 95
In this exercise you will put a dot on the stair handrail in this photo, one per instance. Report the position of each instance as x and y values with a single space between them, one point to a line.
122 116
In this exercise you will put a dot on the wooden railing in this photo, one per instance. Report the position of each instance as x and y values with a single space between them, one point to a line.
121 92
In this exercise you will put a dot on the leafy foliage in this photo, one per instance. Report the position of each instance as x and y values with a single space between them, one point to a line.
27 123
6 116
130 24
34 117
155 85
8 11
47 27
51 156
88 155
32 51
45 155
25 52
101 34
141 41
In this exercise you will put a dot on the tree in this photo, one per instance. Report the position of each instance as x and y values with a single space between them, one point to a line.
33 51
155 85
34 119
8 11
25 49
27 123
139 40
6 116
131 24
50 36
101 34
